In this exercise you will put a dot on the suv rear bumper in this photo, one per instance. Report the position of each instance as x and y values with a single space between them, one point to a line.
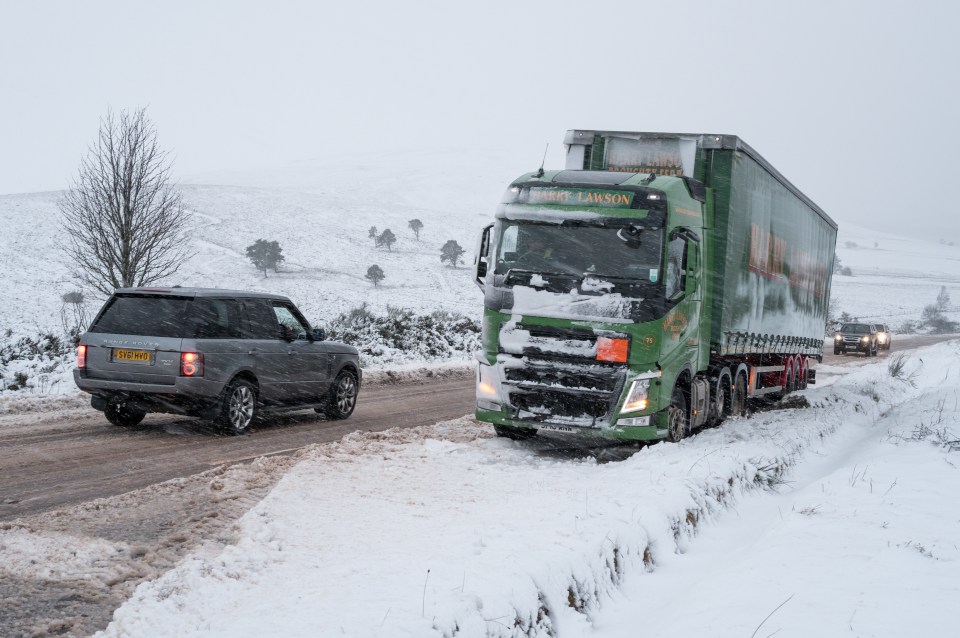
186 395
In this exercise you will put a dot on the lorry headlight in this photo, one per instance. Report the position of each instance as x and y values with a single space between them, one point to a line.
637 396
488 388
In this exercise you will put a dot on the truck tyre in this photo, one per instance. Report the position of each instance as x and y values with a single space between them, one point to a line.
342 398
514 434
804 374
239 407
738 402
122 415
678 418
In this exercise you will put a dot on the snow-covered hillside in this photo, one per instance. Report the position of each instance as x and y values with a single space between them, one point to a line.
321 215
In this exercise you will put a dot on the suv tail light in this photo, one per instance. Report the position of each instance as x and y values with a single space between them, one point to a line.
191 364
82 357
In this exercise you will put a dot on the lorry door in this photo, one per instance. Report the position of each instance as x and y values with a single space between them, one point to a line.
684 291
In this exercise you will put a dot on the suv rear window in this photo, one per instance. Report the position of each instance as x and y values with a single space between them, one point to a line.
178 317
144 316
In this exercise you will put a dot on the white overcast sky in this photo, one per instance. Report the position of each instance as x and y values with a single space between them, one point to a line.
854 101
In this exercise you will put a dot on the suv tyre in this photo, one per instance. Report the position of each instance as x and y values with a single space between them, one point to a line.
239 407
122 415
342 398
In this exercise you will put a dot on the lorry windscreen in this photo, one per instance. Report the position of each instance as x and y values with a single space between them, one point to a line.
579 250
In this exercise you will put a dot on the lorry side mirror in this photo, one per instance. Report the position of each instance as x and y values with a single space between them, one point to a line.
693 267
482 259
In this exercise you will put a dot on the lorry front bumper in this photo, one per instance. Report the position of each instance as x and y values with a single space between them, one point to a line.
615 432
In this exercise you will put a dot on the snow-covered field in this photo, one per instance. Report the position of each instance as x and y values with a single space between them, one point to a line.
321 215
837 519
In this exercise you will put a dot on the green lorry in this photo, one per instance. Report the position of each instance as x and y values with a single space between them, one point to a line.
651 287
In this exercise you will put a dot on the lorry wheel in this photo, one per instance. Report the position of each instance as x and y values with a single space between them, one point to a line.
721 406
804 373
738 404
239 407
678 420
121 415
343 396
515 434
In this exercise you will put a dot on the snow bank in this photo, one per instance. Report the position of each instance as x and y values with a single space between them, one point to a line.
447 531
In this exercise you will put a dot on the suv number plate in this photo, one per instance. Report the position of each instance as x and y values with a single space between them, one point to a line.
131 356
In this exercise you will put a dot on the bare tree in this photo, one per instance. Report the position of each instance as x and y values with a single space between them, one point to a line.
125 223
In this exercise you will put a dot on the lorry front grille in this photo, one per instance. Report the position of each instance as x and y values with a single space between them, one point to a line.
552 374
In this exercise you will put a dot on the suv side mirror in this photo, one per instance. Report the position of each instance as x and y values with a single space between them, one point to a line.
319 334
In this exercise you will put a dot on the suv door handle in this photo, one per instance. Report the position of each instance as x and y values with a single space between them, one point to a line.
253 350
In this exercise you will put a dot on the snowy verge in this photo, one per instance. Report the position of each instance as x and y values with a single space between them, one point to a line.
447 531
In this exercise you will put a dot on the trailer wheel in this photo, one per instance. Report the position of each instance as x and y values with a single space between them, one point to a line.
678 419
804 373
739 402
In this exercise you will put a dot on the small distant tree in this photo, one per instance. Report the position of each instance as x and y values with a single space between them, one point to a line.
372 234
125 222
265 254
73 314
451 252
387 238
837 266
943 299
845 271
375 274
932 316
415 225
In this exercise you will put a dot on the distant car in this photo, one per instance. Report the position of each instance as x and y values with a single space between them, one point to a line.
856 337
884 338
216 354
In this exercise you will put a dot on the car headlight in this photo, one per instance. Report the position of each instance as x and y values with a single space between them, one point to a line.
865 338
838 337
637 396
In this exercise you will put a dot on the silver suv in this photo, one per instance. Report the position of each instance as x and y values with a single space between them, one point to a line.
856 337
217 354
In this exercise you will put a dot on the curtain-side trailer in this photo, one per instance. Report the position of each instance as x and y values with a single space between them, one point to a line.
651 287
